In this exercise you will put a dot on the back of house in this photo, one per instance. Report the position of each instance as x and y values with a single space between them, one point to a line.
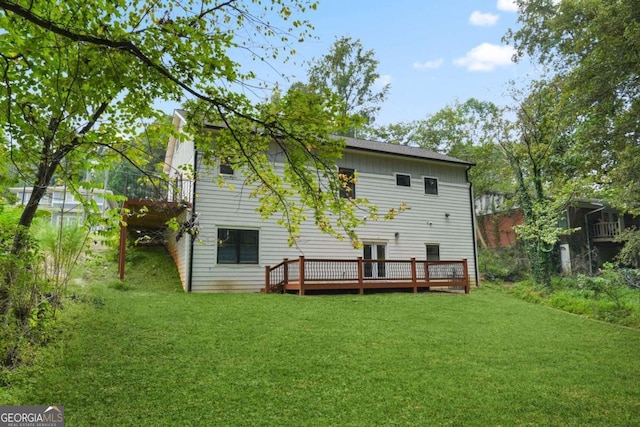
233 244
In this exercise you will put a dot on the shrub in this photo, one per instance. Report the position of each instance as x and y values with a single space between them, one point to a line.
570 302
630 252
26 313
62 247
504 264
611 296
34 280
529 291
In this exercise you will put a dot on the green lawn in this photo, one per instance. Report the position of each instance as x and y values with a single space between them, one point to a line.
151 355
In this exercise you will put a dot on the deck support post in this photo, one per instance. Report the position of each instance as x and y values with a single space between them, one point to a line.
267 277
465 274
301 274
414 275
360 275
285 274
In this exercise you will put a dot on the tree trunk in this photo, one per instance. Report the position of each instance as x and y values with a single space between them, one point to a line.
43 180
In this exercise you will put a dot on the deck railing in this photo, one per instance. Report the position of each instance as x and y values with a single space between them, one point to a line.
136 186
326 274
605 230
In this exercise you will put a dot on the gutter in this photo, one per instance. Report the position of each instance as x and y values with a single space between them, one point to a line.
473 226
193 211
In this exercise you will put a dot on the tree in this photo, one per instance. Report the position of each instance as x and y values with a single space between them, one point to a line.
536 148
468 131
152 143
82 76
593 48
350 72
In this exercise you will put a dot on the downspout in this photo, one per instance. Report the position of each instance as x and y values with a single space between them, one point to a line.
193 212
586 224
473 227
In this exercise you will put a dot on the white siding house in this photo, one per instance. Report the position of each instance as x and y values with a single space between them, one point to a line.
438 223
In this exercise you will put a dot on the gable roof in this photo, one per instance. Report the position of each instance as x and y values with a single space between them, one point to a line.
400 150
386 148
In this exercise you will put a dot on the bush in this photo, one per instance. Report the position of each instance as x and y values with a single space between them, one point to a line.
529 291
570 302
34 280
26 292
62 247
611 296
504 264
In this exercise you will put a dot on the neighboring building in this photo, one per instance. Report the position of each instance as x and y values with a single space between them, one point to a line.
234 245
584 250
594 243
496 221
62 204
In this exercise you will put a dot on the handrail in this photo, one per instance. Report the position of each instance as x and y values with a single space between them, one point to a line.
605 230
138 186
362 273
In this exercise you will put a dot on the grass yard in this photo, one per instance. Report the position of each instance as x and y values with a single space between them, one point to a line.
146 354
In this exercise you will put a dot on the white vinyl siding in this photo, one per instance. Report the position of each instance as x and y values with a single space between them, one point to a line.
180 250
424 221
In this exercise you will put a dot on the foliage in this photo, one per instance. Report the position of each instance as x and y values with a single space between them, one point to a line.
9 216
37 278
630 252
467 131
78 86
126 176
350 71
29 320
62 247
502 264
535 146
298 190
612 296
592 47
81 78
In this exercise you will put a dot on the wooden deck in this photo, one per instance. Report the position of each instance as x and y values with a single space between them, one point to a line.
302 275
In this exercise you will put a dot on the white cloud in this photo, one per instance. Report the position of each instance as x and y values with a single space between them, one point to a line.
507 5
483 19
486 57
436 63
382 81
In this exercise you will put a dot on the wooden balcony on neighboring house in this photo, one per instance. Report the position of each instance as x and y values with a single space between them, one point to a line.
302 275
604 231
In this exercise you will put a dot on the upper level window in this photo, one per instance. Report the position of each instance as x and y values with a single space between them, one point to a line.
225 167
403 180
430 185
237 246
347 183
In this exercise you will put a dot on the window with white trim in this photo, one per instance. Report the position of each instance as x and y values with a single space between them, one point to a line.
347 183
430 185
225 167
236 246
403 180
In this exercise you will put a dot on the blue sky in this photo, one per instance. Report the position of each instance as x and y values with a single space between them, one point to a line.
432 52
